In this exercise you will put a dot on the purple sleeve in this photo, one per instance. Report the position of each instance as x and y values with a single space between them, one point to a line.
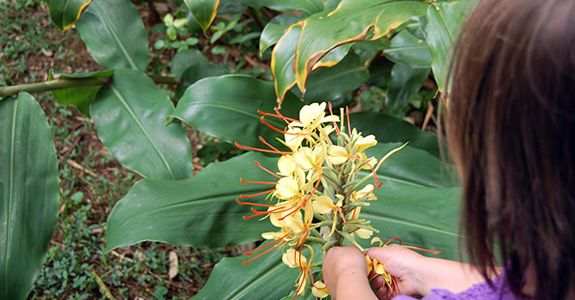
480 291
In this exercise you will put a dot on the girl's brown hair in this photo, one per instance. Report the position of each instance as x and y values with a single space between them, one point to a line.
511 129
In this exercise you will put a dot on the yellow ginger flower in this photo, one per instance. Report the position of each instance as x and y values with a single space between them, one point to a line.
317 195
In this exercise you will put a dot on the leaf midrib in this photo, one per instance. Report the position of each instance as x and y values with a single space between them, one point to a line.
9 201
116 37
142 129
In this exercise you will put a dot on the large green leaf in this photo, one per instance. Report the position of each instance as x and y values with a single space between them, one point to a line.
405 83
265 278
226 107
28 193
310 6
130 114
114 34
185 59
338 81
389 129
275 29
350 22
204 11
65 13
420 216
444 22
82 96
407 49
282 61
201 211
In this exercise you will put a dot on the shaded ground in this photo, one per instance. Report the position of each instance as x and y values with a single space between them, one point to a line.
91 180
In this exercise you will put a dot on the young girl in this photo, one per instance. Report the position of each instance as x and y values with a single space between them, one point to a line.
510 125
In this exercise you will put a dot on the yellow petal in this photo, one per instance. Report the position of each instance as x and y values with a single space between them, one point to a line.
287 187
363 233
319 290
378 267
366 142
286 165
336 155
311 112
293 137
323 204
294 222
304 158
293 258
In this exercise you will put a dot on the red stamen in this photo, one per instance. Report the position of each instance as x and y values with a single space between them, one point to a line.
261 167
258 194
261 150
266 143
334 123
258 182
342 215
348 122
300 286
264 253
421 249
253 204
263 120
307 198
277 115
268 244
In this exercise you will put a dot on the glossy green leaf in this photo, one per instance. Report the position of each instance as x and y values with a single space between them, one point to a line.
420 216
444 22
275 29
338 81
282 61
201 71
310 6
404 85
114 34
389 129
131 115
204 11
226 107
196 72
81 97
201 211
407 49
65 13
265 278
29 192
186 59
350 22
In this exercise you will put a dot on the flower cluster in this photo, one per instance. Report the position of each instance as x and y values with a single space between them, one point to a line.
321 186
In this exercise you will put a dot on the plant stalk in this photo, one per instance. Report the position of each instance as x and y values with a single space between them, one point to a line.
51 85
66 83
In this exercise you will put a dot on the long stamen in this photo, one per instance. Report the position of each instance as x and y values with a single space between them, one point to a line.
267 245
264 253
258 182
337 131
262 150
270 172
263 120
277 115
266 143
253 204
258 194
348 122
307 198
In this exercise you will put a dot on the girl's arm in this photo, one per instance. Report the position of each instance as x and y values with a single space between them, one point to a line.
345 273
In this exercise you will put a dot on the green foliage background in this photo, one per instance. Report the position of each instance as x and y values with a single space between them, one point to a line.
387 58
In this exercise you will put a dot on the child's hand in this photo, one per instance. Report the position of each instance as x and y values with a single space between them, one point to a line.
345 274
402 264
